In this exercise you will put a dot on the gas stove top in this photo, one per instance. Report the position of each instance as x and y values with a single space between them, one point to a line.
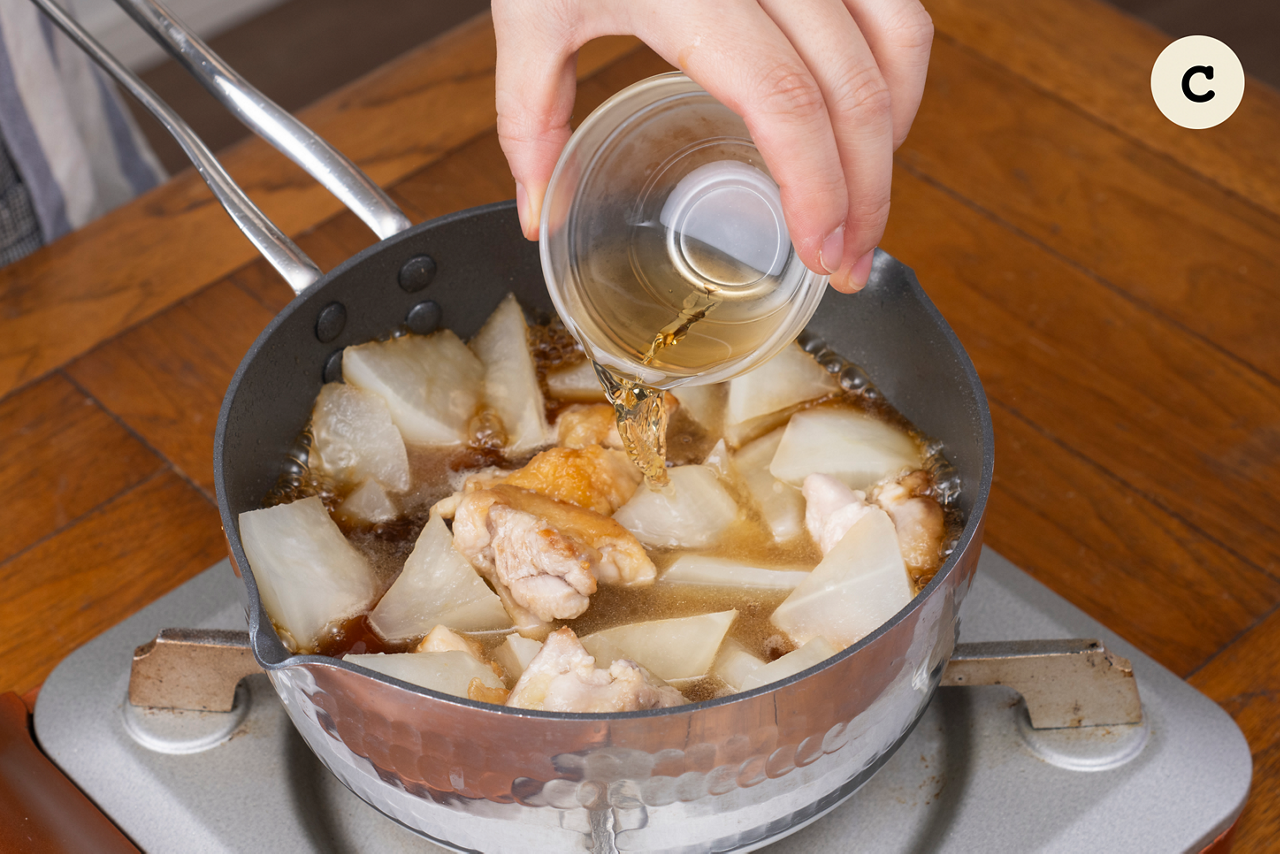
973 776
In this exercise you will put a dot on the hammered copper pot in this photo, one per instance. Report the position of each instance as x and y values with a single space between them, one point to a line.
717 776
724 775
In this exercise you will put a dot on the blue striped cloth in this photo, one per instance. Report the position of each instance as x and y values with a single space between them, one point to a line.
71 150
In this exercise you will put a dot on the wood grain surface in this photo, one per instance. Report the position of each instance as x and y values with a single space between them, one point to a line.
1115 279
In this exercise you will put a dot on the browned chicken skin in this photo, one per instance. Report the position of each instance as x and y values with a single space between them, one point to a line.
917 517
590 477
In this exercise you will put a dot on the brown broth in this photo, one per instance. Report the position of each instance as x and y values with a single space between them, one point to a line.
435 471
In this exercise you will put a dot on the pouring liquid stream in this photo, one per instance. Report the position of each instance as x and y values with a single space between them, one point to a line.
641 409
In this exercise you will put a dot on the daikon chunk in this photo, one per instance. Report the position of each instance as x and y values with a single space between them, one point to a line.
860 583
447 672
438 586
734 663
577 383
354 439
307 573
680 648
692 511
781 504
814 652
723 572
515 653
431 383
705 404
510 377
720 462
788 379
369 503
848 445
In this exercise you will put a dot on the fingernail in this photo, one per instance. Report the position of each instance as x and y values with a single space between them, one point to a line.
861 270
832 250
527 223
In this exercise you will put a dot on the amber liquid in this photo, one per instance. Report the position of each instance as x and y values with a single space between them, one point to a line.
642 409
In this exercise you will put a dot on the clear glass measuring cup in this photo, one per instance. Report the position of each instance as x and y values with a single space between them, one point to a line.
663 241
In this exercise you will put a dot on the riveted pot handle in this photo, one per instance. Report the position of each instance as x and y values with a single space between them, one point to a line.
269 120
283 254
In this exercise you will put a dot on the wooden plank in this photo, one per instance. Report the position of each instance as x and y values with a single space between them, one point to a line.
474 174
1245 680
329 244
78 583
1170 416
141 258
1150 228
1144 573
1099 60
62 456
166 378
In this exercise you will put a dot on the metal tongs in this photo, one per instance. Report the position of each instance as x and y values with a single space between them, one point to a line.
261 115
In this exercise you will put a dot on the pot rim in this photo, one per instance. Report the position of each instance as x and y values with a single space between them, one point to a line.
258 619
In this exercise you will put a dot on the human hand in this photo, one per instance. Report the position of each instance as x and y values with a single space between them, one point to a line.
828 90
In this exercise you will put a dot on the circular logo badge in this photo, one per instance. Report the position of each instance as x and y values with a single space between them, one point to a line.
1197 82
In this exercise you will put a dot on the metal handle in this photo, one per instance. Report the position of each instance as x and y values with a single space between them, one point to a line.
1066 683
267 119
292 263
191 669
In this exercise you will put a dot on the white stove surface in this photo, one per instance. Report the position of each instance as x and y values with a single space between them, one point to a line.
971 777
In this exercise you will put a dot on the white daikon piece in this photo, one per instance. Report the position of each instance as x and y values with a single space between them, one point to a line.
860 583
814 652
788 379
307 573
852 447
692 511
369 503
515 653
734 663
705 404
431 383
723 572
781 504
438 586
354 439
447 672
680 648
720 462
511 378
577 383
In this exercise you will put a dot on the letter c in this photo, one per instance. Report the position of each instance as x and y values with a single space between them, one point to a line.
1207 71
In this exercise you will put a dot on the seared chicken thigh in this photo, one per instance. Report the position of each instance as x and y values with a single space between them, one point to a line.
585 424
917 517
563 677
590 477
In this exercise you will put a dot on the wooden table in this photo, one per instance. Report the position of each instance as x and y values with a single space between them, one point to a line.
1115 278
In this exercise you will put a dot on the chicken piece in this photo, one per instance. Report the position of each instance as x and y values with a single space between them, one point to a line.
831 509
585 424
563 677
620 559
590 477
917 518
543 570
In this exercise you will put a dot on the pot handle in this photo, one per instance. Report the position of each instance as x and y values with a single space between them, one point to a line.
268 120
283 254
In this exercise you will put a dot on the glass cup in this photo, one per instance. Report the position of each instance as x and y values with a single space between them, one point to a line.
663 241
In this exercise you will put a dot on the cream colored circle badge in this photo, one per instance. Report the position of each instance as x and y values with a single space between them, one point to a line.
1197 82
